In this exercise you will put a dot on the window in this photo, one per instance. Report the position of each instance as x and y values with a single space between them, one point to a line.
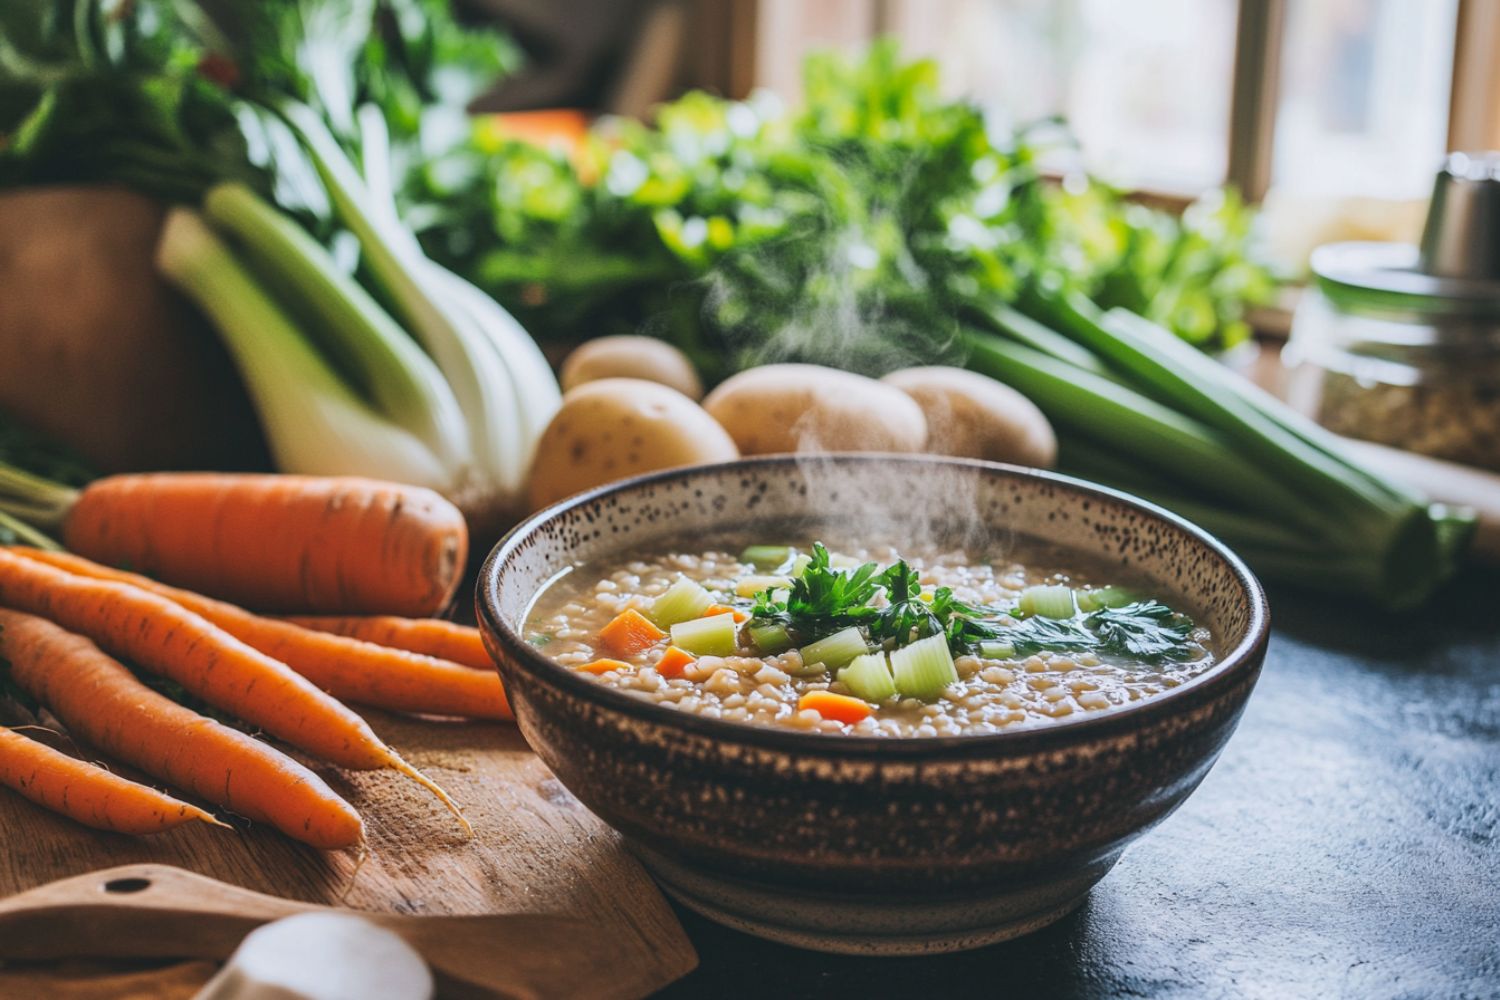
1314 97
1364 94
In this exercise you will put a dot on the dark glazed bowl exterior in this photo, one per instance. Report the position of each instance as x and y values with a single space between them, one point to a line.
874 845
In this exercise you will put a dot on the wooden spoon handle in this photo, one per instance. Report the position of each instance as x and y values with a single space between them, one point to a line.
135 911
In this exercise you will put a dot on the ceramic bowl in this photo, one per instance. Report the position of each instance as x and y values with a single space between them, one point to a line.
874 845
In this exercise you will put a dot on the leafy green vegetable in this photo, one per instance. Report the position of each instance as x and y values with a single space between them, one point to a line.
822 600
152 93
1145 630
27 450
889 607
854 232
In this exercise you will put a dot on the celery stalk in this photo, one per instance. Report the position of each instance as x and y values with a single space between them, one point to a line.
835 650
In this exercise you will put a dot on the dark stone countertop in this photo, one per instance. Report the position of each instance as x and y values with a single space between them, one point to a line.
1347 843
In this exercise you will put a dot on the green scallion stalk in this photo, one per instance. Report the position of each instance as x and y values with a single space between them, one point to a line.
994 649
711 636
924 669
869 677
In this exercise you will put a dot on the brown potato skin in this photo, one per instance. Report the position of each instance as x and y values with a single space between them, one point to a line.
970 415
101 355
630 356
620 427
777 409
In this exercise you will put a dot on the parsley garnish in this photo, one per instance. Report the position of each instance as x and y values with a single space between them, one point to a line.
824 600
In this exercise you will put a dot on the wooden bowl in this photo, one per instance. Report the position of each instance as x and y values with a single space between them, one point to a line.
874 845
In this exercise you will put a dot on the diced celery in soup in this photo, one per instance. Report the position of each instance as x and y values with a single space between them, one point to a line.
926 641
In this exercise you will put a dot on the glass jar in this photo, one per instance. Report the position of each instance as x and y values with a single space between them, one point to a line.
1384 352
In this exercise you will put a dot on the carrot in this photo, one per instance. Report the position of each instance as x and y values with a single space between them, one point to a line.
629 633
436 637
838 707
604 666
278 543
168 639
348 669
674 661
724 609
87 793
105 705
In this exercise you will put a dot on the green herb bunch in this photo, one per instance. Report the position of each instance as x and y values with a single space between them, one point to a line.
889 607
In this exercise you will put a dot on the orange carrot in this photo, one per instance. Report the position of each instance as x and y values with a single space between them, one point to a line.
348 669
674 661
838 707
87 793
724 609
168 639
436 637
604 666
278 543
105 705
629 633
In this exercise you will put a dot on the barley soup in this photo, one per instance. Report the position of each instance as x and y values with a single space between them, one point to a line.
868 641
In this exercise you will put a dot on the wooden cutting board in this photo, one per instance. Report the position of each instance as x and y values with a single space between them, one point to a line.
535 849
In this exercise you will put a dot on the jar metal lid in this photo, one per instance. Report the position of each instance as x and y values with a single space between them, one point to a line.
1385 279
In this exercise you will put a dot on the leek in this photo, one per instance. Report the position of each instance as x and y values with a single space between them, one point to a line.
537 395
1079 401
1207 444
356 332
314 422
468 359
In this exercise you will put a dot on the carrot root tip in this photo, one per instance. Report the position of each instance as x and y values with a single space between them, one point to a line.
432 786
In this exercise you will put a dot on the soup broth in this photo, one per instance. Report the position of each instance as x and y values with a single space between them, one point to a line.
978 642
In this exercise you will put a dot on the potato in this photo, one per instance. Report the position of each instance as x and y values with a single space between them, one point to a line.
619 427
101 355
807 408
631 357
973 416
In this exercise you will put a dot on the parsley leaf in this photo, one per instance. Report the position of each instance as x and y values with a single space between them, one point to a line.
1145 630
824 600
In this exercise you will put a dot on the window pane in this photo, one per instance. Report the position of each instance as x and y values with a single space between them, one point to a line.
1144 84
1363 108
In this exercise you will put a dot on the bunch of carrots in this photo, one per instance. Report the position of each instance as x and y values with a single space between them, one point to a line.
346 548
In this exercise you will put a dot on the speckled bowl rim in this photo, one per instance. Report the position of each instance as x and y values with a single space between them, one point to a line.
1245 656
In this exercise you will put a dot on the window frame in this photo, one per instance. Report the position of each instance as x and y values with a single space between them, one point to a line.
1474 95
